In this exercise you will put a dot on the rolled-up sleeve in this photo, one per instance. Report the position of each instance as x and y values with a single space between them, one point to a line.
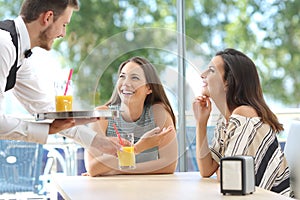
82 134
17 129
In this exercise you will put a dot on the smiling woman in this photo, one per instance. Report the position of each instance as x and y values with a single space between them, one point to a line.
145 106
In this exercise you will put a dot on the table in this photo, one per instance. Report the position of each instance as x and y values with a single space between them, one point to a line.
181 185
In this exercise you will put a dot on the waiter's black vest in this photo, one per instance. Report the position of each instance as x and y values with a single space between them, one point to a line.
9 26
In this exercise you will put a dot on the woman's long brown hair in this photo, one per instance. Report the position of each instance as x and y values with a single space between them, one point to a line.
243 86
158 94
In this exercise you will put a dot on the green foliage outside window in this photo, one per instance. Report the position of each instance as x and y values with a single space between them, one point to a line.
267 31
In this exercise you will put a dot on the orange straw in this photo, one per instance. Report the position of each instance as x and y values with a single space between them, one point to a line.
118 134
68 81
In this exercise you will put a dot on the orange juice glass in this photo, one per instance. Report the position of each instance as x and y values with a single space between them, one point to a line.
126 157
64 103
63 97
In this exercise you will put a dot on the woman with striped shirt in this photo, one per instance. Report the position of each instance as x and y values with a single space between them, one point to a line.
246 126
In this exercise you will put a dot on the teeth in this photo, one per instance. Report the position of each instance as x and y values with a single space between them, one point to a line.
127 92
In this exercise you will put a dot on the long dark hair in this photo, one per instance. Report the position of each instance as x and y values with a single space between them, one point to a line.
158 94
243 86
31 9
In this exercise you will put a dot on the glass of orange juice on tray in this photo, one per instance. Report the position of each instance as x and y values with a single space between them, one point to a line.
63 96
126 157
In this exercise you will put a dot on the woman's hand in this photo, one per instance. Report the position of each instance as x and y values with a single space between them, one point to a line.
202 108
116 140
102 144
151 139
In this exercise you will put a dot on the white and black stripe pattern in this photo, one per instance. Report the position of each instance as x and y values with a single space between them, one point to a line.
250 136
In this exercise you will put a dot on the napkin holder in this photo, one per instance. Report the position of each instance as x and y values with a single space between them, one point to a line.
237 175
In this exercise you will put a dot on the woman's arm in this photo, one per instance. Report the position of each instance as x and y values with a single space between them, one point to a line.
151 139
107 165
100 163
167 147
167 162
206 164
168 153
202 109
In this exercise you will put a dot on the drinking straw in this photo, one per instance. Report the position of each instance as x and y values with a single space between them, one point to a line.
118 134
68 81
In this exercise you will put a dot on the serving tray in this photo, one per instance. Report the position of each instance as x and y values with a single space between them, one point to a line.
110 113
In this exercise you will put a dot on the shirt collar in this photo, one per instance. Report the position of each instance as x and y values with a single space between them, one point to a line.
23 36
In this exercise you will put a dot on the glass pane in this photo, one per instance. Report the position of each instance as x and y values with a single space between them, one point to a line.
264 30
122 29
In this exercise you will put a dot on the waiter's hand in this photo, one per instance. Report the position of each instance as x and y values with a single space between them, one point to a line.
62 124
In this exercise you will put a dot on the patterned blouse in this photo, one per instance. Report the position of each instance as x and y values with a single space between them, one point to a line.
250 136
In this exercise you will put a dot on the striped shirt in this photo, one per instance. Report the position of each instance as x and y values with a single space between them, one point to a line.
144 124
250 136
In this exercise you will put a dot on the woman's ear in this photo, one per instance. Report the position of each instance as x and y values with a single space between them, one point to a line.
149 89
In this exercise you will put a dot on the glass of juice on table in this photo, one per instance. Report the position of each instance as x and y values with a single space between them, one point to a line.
126 157
63 96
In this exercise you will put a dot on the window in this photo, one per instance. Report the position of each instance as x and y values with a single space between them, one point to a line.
179 38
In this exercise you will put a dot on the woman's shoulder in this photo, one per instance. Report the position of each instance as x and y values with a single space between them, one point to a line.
161 114
246 111
158 108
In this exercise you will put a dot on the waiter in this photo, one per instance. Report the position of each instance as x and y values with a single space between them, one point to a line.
40 22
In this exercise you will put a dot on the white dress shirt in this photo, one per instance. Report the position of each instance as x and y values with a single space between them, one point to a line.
26 89
30 94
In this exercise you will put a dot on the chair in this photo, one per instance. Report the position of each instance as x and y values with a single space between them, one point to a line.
291 150
20 166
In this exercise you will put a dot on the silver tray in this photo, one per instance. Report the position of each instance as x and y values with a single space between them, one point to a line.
110 113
